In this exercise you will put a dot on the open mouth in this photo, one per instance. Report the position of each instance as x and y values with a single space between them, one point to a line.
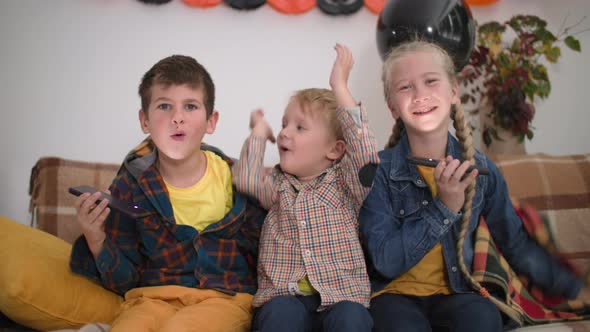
178 136
423 111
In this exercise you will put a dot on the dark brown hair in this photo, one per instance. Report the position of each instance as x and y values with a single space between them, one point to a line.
178 70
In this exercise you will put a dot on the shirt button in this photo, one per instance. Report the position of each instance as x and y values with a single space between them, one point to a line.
308 252
454 269
446 221
425 202
419 182
402 212
303 223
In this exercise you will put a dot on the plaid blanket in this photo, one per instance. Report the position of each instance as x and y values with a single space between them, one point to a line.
528 304
51 205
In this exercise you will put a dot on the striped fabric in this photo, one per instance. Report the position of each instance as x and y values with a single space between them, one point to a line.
559 188
312 228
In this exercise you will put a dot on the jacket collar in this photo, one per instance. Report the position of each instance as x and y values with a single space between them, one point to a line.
141 163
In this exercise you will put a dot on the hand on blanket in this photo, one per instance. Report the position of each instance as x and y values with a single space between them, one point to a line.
584 295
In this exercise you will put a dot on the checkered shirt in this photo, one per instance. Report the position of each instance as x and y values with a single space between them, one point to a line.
312 228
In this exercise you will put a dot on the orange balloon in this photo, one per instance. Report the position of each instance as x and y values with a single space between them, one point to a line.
292 6
480 2
375 6
202 3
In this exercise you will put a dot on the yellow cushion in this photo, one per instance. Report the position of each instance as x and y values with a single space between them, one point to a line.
37 288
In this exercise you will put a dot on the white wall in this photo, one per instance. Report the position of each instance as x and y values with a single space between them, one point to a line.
69 72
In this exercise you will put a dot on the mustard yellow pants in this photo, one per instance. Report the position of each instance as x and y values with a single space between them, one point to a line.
179 309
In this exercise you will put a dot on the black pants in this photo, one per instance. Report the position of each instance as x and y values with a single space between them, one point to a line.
299 313
454 313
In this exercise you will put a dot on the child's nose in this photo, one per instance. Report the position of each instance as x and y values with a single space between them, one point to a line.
177 117
420 95
283 134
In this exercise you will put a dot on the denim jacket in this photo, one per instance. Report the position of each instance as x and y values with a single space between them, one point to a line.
400 222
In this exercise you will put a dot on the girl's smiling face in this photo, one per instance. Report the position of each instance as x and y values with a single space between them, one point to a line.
421 93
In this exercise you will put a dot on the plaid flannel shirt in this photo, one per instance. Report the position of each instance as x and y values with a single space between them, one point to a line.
156 251
312 228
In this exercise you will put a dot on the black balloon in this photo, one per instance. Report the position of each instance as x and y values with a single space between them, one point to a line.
245 4
446 22
340 7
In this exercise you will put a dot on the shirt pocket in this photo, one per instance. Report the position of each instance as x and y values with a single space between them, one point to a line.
405 201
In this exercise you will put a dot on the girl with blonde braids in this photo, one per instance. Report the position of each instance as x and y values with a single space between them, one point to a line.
418 223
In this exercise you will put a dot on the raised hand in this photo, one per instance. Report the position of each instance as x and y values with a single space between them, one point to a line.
339 76
260 126
90 217
451 182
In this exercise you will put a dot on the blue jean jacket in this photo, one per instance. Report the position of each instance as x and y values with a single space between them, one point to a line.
400 222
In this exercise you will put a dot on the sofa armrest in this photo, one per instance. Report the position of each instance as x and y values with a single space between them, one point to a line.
559 188
51 206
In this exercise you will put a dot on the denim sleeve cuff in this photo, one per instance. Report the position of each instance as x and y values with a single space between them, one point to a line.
446 212
574 289
443 218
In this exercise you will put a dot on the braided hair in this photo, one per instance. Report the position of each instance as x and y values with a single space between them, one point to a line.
463 134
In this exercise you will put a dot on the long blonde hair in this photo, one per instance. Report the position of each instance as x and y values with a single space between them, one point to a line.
462 131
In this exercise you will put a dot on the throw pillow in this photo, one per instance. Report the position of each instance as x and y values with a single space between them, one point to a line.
37 288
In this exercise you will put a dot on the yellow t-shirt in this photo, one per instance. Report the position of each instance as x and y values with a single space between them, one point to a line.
429 276
208 200
305 286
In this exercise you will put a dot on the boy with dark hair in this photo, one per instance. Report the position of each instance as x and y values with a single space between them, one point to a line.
192 261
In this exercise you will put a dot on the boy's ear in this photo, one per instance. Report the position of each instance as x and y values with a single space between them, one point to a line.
212 122
143 122
337 151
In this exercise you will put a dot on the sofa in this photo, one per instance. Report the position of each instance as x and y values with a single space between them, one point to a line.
38 292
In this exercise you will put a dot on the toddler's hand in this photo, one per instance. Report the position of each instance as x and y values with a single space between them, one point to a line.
451 182
339 77
90 218
260 126
342 67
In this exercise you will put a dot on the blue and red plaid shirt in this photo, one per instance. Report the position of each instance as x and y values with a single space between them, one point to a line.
156 251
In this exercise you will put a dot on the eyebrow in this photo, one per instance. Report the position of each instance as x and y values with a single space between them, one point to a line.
422 75
189 100
192 100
